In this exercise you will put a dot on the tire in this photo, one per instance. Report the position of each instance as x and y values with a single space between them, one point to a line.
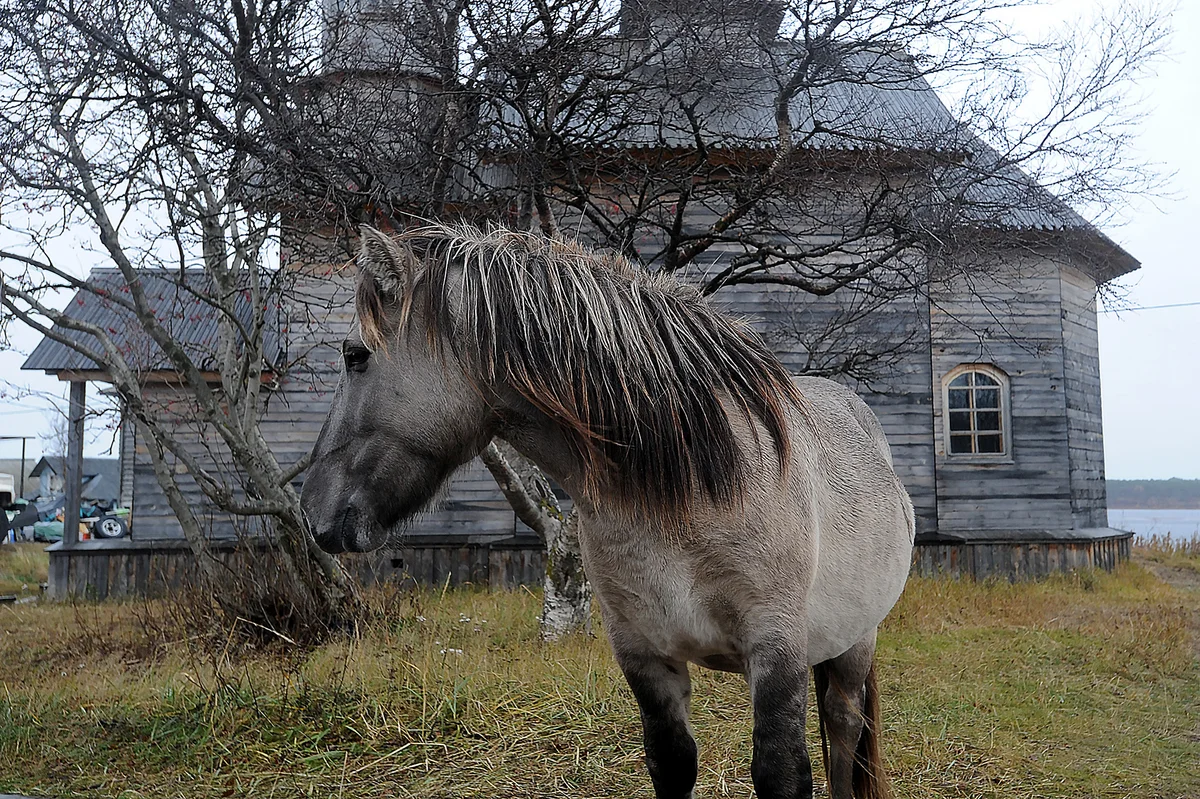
110 527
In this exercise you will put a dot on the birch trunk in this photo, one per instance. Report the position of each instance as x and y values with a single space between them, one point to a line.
567 597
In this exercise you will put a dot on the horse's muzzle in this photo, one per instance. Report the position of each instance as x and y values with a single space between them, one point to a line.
351 530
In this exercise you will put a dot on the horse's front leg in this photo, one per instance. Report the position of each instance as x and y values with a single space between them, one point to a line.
778 675
663 690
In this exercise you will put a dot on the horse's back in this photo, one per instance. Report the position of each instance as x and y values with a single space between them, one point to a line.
832 400
862 517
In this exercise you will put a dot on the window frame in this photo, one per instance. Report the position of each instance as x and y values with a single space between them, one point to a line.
1001 378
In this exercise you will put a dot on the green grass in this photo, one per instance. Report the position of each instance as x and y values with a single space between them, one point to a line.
23 568
1077 686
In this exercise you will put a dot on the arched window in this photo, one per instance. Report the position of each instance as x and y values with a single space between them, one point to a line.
976 411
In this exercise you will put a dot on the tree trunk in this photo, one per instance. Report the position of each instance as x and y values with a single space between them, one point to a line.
567 598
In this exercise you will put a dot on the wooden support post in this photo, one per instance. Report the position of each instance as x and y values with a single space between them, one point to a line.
73 468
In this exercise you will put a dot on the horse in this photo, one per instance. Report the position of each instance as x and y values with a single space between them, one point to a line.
731 516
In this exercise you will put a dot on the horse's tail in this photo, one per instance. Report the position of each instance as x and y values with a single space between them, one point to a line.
870 780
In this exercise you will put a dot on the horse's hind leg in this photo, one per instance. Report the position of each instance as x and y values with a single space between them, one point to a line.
778 675
663 690
848 704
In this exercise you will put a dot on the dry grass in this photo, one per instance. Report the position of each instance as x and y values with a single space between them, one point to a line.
23 568
1173 552
1076 686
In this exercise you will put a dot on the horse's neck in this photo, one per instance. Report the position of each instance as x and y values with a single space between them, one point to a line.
543 442
551 454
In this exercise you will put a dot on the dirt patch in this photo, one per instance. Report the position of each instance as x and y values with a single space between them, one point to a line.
1180 577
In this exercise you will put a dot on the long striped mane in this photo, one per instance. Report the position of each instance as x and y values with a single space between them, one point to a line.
641 373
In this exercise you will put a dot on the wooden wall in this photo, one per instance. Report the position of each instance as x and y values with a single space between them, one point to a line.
119 571
108 572
152 518
499 565
1011 321
1081 374
127 452
1018 560
101 570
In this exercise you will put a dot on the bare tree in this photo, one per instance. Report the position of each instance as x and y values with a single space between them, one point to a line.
148 123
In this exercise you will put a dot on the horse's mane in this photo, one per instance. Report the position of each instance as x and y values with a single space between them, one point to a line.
638 369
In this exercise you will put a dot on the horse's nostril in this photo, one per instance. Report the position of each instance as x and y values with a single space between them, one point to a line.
347 523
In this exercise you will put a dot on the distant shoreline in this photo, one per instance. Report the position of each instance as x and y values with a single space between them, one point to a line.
1173 494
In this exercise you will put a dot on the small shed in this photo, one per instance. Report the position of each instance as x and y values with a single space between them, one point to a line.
154 549
101 478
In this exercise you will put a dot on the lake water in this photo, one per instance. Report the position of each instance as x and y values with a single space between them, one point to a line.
1175 523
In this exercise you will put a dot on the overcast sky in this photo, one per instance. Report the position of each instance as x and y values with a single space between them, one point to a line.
1149 361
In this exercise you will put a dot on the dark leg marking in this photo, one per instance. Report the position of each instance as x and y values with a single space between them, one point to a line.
841 683
663 690
779 691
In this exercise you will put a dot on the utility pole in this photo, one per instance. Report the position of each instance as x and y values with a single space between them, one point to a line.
22 439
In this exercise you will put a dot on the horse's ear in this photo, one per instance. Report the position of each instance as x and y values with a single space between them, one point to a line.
390 264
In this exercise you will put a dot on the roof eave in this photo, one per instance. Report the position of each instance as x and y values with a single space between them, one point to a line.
1088 249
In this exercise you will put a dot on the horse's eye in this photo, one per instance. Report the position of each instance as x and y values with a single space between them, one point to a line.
356 358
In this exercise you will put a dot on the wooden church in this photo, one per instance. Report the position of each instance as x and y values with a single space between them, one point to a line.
989 392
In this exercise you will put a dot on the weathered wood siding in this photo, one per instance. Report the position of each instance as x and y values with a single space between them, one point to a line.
1012 322
500 565
1081 374
111 572
101 570
1018 560
152 518
127 451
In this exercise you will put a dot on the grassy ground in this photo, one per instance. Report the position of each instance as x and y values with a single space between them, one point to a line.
1176 560
23 568
1077 686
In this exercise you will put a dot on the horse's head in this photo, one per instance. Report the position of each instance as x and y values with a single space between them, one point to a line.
404 416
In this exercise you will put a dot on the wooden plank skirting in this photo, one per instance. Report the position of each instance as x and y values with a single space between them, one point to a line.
1018 560
113 570
104 570
502 565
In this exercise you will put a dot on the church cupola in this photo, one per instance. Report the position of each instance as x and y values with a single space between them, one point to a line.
757 20
397 37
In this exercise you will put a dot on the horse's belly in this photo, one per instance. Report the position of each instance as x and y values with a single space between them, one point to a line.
853 591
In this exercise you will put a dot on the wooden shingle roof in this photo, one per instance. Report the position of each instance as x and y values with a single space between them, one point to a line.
870 102
177 300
